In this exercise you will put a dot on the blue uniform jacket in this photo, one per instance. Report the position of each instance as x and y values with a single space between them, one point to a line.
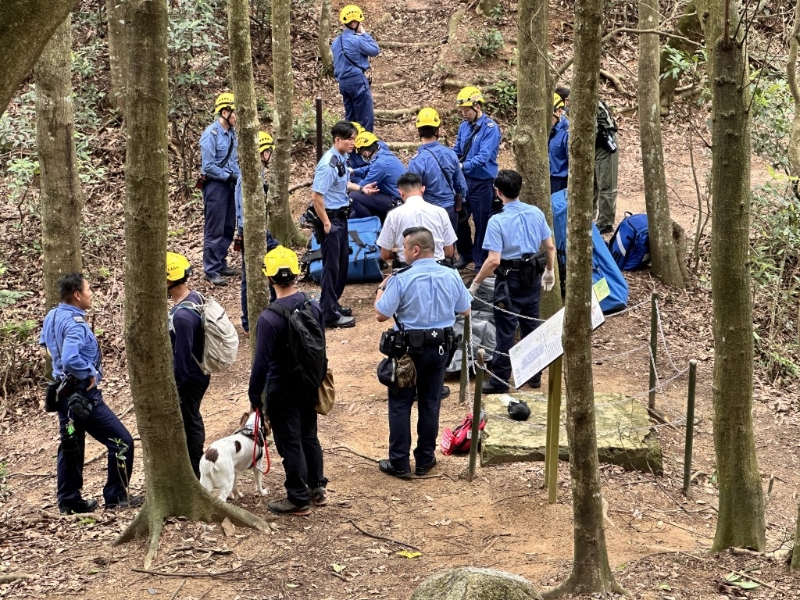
272 359
558 148
358 47
437 189
481 159
187 337
385 169
330 179
518 229
359 166
214 148
72 345
427 295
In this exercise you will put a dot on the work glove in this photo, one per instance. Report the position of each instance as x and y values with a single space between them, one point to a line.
548 279
473 289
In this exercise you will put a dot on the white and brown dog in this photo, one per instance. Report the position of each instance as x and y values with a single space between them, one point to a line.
226 458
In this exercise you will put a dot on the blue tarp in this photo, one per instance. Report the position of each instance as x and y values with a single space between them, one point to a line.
603 264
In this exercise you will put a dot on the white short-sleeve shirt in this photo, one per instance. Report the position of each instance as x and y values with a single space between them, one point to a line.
415 212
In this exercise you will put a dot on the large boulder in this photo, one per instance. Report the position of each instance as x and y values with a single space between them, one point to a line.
469 583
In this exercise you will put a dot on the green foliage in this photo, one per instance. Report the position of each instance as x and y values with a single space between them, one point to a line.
4 491
483 44
686 65
502 97
772 113
304 127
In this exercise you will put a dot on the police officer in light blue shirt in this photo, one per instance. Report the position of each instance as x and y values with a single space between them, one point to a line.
438 168
513 239
384 170
424 297
220 168
558 147
332 206
351 53
76 358
477 145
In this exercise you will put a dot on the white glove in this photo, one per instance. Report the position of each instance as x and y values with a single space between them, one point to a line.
473 289
548 279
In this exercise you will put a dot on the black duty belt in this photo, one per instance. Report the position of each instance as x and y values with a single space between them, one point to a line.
339 213
418 338
512 264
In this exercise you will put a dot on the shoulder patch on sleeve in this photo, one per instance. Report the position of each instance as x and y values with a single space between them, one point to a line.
78 319
491 124
213 131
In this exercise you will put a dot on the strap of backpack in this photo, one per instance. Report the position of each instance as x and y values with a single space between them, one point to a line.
441 168
344 53
468 145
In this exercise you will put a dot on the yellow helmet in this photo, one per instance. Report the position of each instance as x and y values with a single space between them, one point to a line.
265 142
351 13
358 127
469 96
281 263
365 139
225 100
558 102
178 266
428 117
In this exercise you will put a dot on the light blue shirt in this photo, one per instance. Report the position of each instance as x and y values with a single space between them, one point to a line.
214 145
427 295
71 343
480 159
328 181
519 229
358 47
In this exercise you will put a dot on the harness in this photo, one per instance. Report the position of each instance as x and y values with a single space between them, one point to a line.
257 433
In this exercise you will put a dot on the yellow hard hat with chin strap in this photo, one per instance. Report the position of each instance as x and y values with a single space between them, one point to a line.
281 264
468 96
265 142
359 128
225 100
365 140
351 13
428 117
178 266
558 102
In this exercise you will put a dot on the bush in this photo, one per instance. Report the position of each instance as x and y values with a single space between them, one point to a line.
502 97
304 128
484 44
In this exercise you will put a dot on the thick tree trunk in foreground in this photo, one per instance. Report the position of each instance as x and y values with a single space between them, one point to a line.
663 252
796 550
253 202
791 78
25 27
172 488
740 521
61 194
280 216
534 110
115 16
323 35
591 572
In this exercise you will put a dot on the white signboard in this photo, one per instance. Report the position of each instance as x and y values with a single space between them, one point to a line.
543 345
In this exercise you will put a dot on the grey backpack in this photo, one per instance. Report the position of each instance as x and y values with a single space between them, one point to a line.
221 342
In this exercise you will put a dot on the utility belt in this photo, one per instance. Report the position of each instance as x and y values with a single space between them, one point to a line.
529 267
338 213
78 403
395 344
445 262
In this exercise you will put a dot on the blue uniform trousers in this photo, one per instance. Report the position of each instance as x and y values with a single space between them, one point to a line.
430 362
335 258
294 428
220 224
557 184
190 395
357 98
365 205
104 426
453 215
245 318
463 231
481 194
523 301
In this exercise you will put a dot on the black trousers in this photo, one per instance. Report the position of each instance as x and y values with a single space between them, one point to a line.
294 427
335 258
430 363
191 394
523 301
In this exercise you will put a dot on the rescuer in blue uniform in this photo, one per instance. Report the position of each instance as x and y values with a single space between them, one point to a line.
424 297
438 168
265 147
384 170
76 359
187 337
220 169
513 239
558 147
477 145
351 53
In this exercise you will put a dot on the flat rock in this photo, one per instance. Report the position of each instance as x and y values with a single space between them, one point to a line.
470 583
624 436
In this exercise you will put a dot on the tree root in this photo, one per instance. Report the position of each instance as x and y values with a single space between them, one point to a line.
396 112
574 587
614 80
403 145
11 577
409 44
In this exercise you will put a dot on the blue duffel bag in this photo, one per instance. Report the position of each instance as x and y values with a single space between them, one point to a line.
364 264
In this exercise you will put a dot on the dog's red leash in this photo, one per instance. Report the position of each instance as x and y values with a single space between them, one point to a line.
256 434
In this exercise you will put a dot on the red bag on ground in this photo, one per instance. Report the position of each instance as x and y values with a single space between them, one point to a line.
459 440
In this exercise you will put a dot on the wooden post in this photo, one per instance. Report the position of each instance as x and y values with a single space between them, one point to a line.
318 111
553 427
651 403
687 453
462 392
476 416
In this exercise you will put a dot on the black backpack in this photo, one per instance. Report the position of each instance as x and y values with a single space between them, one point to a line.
306 342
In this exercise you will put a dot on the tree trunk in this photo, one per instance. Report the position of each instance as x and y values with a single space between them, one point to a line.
591 572
689 27
711 14
791 78
253 203
61 196
323 38
115 15
796 549
25 27
663 252
740 521
280 216
534 107
172 488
